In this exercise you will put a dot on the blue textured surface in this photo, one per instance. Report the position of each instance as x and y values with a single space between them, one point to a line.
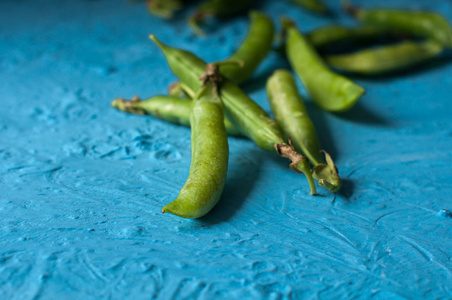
82 185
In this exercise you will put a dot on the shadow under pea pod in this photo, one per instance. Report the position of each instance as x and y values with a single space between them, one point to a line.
241 178
346 191
359 113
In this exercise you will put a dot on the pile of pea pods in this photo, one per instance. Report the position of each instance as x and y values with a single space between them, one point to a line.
208 97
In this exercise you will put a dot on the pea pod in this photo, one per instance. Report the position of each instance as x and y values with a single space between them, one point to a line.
331 91
312 5
252 51
419 23
385 59
164 8
248 117
171 109
249 54
217 8
333 35
209 163
291 114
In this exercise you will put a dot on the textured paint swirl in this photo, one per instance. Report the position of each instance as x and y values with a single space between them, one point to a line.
82 185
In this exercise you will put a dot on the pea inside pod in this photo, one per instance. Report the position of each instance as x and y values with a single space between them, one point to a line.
209 165
331 91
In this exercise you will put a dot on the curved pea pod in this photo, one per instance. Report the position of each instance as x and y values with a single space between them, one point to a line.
291 114
419 23
248 117
312 5
171 109
209 159
385 59
164 8
332 35
331 91
252 51
217 8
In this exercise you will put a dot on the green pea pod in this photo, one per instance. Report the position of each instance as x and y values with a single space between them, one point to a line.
291 114
248 117
385 59
164 8
171 109
252 51
312 5
244 113
209 163
217 8
419 23
330 36
331 91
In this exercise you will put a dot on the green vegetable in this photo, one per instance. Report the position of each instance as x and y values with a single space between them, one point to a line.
171 109
333 35
291 114
219 9
419 23
331 91
209 163
253 49
164 8
248 117
312 5
385 59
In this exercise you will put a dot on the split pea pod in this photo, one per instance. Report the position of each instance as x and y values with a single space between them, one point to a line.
171 109
419 23
331 91
253 49
209 158
312 5
291 114
217 8
248 117
386 58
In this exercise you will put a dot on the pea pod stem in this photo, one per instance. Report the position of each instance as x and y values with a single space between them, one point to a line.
209 165
171 109
248 117
299 164
331 91
386 59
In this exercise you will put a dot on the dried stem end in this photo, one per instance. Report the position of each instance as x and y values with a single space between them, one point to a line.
300 163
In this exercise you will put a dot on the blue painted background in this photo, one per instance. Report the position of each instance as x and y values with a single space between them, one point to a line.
82 185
